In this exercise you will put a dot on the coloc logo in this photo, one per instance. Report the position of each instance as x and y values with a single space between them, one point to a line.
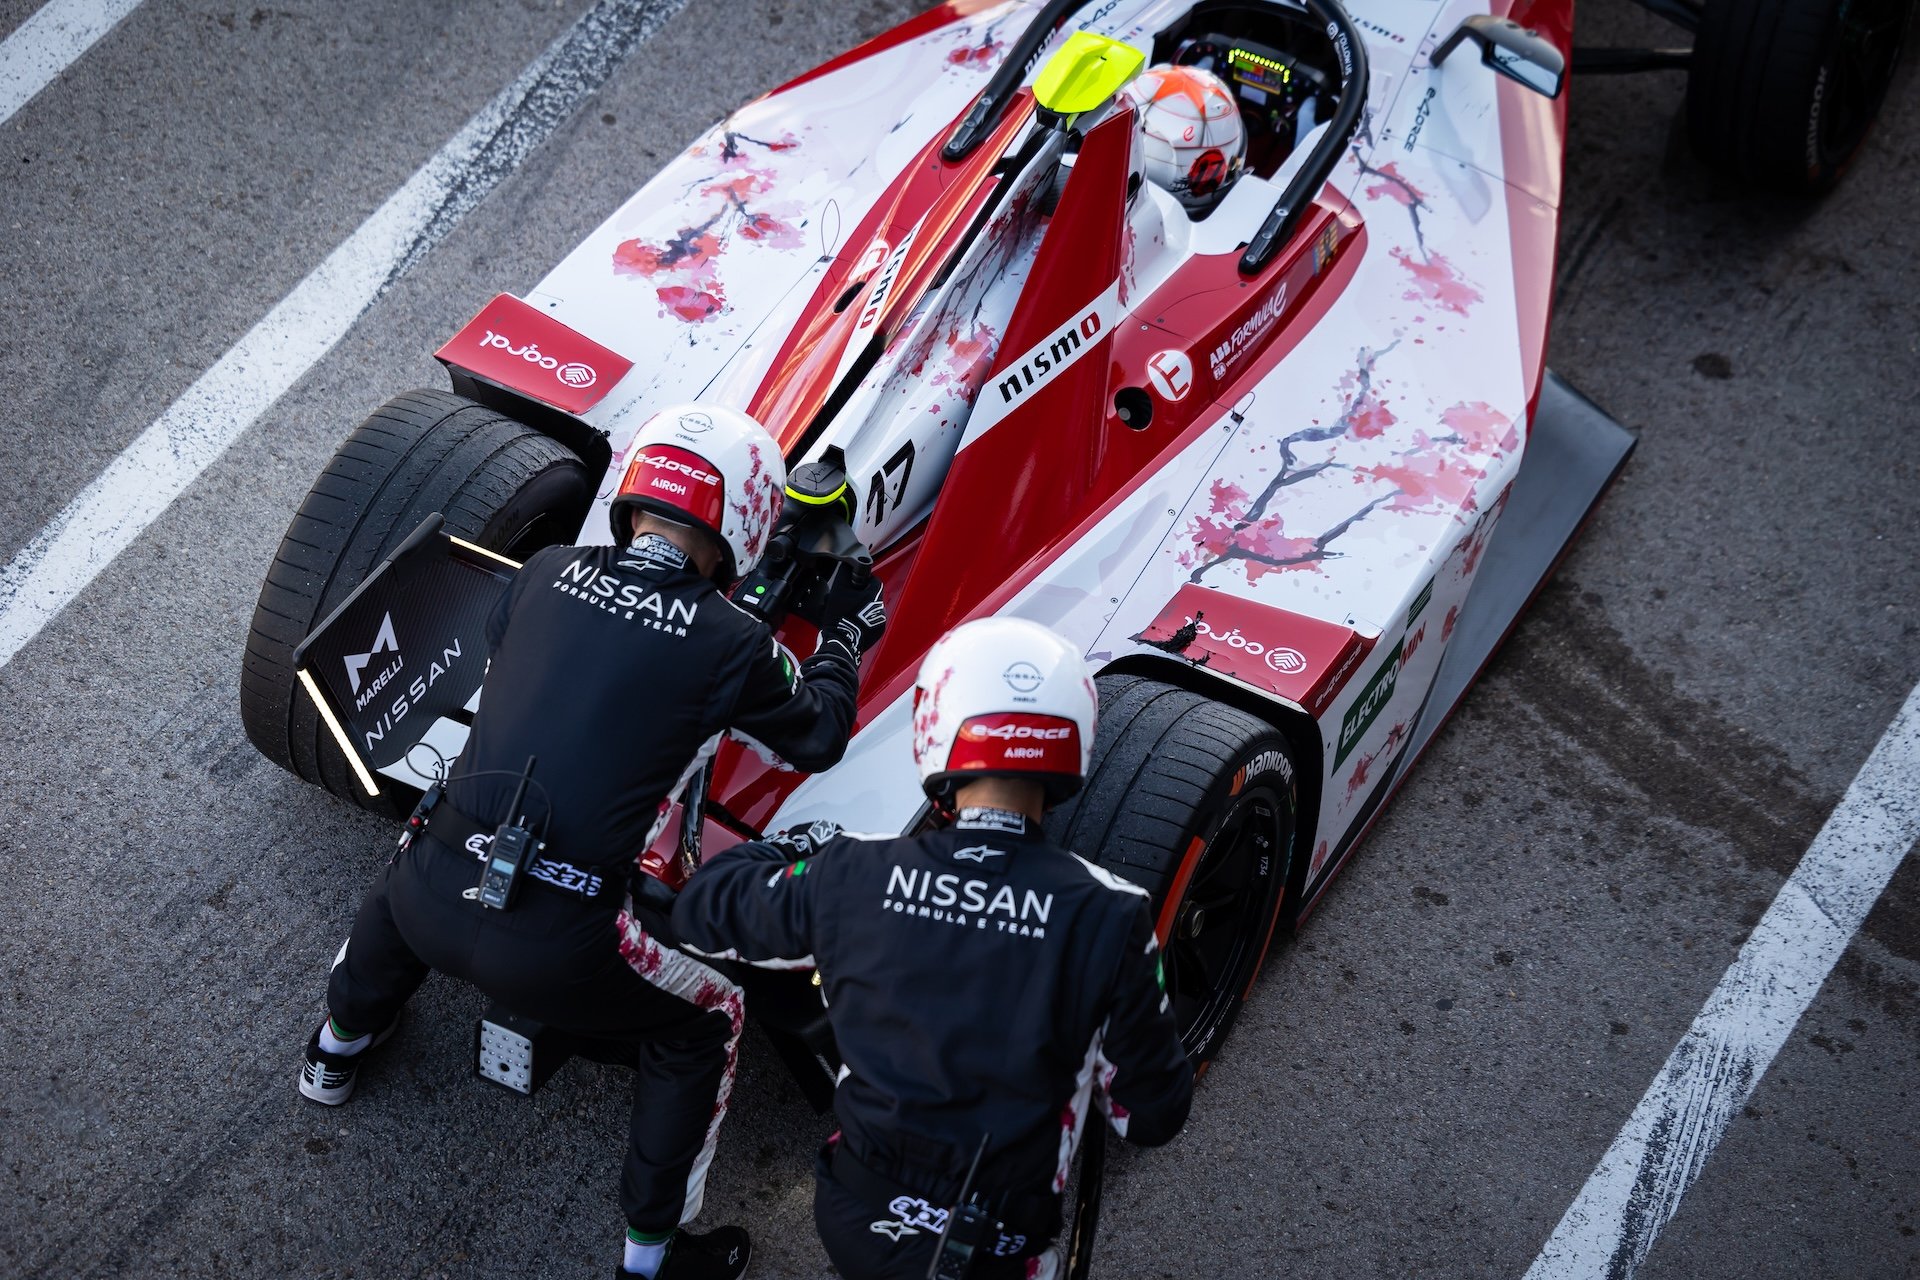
1289 661
1023 677
1280 658
574 373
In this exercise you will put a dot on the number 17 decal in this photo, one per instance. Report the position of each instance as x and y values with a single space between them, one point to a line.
877 503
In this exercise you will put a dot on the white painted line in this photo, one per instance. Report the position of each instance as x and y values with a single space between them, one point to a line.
1613 1222
51 41
224 401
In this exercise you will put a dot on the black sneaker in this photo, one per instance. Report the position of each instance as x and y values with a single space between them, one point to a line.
719 1254
328 1077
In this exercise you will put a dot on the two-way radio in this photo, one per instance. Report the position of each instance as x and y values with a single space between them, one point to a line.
969 1230
513 845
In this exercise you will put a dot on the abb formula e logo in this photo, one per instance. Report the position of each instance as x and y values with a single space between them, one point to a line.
524 349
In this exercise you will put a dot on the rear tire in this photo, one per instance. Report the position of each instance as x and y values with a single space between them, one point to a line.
499 483
1194 802
1781 93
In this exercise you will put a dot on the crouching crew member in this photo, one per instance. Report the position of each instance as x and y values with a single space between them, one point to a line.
981 982
618 667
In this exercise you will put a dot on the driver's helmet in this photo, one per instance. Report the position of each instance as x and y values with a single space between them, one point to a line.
1003 697
1191 139
710 467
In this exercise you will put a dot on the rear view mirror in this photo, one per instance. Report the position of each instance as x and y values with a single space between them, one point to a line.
1517 52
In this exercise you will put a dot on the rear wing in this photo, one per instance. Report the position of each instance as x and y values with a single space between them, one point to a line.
396 670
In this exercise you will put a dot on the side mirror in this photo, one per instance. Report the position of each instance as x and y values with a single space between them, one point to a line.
1517 52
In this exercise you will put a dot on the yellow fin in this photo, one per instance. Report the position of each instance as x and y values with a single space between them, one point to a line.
1088 70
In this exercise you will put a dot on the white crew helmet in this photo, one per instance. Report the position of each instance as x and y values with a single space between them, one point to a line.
707 466
1188 132
1003 697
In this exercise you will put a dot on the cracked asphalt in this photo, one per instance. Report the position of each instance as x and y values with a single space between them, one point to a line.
1422 1080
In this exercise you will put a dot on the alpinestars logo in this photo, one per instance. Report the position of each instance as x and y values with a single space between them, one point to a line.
978 853
383 642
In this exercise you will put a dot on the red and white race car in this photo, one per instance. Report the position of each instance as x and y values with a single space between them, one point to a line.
1286 467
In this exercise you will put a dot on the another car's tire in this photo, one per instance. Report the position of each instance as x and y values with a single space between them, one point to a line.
1194 802
1781 93
499 483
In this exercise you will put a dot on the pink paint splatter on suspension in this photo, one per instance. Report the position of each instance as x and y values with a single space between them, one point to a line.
1437 282
968 359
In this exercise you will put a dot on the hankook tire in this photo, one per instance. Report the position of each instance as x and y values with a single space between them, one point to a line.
1194 802
498 482
1781 93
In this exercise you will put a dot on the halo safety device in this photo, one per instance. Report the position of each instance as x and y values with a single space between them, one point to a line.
1006 698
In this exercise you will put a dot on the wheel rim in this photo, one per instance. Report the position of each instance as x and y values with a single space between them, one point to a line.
1220 926
1857 73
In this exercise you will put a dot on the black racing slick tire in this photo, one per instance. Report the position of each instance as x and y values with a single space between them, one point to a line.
1195 802
498 482
1781 93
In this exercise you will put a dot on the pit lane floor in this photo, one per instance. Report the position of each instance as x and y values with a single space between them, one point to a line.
1422 1082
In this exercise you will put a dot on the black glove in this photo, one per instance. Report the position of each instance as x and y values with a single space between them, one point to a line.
854 617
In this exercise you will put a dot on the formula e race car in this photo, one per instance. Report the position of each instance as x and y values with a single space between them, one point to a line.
1271 439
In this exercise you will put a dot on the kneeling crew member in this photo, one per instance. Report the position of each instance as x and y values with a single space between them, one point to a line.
619 668
980 981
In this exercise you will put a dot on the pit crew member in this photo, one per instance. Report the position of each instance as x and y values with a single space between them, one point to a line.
617 667
982 983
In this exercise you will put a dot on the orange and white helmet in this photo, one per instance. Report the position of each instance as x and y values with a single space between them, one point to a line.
1191 139
1003 697
707 466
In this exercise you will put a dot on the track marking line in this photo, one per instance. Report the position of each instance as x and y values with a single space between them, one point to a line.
143 481
1612 1224
51 41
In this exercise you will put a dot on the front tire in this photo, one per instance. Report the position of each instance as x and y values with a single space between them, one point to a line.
498 482
1781 93
1194 802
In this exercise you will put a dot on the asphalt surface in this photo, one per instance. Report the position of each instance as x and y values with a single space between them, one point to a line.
1421 1082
